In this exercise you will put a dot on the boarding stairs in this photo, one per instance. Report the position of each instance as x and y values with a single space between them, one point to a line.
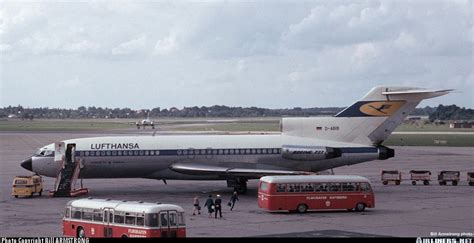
65 184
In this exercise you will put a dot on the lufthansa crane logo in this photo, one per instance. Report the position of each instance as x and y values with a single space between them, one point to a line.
381 108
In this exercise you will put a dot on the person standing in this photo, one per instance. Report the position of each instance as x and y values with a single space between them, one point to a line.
233 198
209 204
218 206
196 205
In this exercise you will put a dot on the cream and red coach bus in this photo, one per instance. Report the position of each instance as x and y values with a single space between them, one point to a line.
315 192
113 218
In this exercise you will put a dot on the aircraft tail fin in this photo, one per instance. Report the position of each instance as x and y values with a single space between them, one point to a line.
368 121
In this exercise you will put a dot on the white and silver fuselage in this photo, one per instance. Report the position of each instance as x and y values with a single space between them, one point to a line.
151 156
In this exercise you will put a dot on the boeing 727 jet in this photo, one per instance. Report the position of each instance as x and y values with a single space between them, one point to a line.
305 145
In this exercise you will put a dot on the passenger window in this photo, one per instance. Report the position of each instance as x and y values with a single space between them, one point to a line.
87 215
365 187
140 220
164 219
151 220
321 187
173 219
226 151
130 219
181 219
263 186
307 188
118 219
68 213
281 188
348 187
76 214
335 187
98 216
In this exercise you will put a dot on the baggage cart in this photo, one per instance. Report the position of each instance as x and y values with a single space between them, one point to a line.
470 178
391 176
420 175
446 176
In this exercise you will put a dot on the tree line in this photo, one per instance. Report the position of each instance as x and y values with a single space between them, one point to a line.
441 112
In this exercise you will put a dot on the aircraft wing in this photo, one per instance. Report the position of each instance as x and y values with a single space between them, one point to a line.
198 169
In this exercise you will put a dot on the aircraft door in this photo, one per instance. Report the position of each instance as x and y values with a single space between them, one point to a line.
71 153
108 219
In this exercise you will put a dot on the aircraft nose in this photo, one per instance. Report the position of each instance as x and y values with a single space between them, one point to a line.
27 164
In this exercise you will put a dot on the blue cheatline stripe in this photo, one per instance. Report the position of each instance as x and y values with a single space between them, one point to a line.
203 152
353 110
178 152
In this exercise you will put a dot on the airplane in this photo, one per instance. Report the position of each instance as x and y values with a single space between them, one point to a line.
305 145
146 122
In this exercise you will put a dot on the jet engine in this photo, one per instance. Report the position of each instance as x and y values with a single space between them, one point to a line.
309 153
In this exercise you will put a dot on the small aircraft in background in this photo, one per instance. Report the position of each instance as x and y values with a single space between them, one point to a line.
145 122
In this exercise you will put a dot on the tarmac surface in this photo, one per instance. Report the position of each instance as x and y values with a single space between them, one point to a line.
400 211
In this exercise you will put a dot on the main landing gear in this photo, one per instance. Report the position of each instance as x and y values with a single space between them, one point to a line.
239 184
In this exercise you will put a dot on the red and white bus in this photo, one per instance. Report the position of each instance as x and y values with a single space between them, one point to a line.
113 218
315 192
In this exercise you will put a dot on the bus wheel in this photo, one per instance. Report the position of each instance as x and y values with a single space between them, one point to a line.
385 182
455 183
397 183
81 233
426 183
413 182
360 207
302 208
16 196
124 236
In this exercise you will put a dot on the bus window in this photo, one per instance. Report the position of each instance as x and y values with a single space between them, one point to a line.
140 220
307 188
97 216
86 215
321 187
263 186
173 219
365 187
76 213
348 187
281 188
335 187
67 214
118 219
129 219
290 188
164 219
297 187
151 219
181 219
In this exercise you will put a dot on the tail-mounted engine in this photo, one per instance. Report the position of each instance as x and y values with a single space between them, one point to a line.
308 153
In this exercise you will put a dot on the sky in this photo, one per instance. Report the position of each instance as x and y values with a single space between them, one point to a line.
271 54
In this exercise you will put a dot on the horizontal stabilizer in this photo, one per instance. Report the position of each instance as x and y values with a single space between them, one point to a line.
423 93
198 169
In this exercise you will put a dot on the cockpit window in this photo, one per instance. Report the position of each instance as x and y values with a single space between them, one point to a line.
44 152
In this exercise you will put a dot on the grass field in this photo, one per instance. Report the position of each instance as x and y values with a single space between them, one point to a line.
268 124
453 140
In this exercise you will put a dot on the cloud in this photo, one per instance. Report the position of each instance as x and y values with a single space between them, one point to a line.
166 45
234 53
130 47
